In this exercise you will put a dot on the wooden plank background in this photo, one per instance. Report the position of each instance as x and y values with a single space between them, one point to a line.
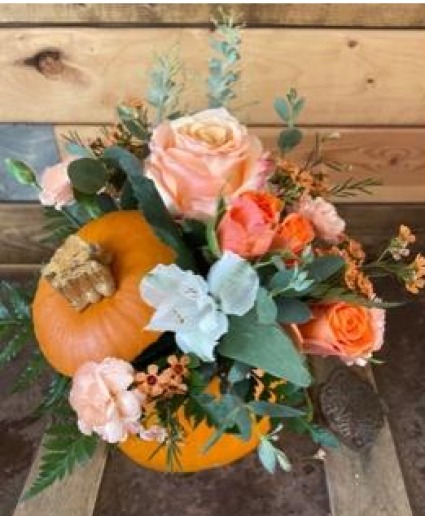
325 15
350 76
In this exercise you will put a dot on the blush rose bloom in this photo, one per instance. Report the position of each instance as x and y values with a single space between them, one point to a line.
347 331
328 225
102 401
196 159
295 232
56 189
248 226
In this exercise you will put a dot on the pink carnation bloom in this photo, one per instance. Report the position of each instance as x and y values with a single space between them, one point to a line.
102 401
196 159
328 225
56 189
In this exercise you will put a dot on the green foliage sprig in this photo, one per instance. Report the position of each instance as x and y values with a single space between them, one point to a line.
289 109
65 447
352 187
224 70
15 320
165 84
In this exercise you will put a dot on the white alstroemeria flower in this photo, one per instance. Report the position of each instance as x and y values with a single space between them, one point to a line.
184 306
234 283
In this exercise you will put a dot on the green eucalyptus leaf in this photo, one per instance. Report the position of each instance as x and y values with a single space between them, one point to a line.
265 307
238 372
266 347
323 267
282 108
289 138
297 107
20 171
264 408
267 455
292 310
87 175
281 279
283 461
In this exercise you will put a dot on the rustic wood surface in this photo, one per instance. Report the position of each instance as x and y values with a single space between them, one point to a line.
34 144
364 483
22 228
350 77
75 495
332 15
396 157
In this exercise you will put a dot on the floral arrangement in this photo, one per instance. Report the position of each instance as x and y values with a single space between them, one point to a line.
194 272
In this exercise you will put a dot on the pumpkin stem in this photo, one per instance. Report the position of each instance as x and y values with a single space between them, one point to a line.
80 272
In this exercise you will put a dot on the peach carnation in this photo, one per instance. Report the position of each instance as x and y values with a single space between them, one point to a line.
328 225
56 189
196 159
102 401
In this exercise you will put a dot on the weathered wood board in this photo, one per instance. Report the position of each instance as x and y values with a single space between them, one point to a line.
75 495
367 483
332 15
350 76
34 144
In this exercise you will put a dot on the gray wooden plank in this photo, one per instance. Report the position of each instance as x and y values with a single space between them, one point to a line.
32 143
366 483
75 495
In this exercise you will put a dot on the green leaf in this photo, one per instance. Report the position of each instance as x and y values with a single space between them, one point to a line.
267 455
87 175
323 267
289 138
20 171
151 204
292 310
265 307
281 280
56 395
283 461
64 448
282 108
238 372
323 437
264 346
33 370
264 408
297 107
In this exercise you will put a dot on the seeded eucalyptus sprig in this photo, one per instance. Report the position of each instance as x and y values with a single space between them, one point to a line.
224 70
165 84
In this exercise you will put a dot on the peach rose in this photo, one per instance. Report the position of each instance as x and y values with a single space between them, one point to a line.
195 159
102 401
248 226
322 214
56 189
295 232
348 331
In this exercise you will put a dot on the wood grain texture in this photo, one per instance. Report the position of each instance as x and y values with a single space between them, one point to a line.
396 157
75 495
364 483
350 77
34 144
21 228
331 15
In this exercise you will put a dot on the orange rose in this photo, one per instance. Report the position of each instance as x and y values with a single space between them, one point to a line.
295 232
248 226
349 331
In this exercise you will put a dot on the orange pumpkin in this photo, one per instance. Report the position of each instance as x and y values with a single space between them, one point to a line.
228 449
114 326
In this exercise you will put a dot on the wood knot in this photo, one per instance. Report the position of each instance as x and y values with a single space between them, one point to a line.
352 43
48 62
80 272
